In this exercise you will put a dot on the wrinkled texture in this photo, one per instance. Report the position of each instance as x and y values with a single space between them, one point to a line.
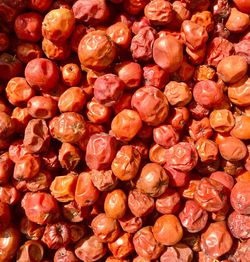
90 249
167 230
41 73
142 44
151 105
182 156
139 203
207 93
36 136
68 127
210 195
159 12
40 207
105 228
122 247
84 11
56 235
124 130
96 50
115 204
193 217
195 35
218 49
153 180
178 252
108 89
216 233
146 245
126 163
232 68
100 151
168 53
58 24
240 197
239 225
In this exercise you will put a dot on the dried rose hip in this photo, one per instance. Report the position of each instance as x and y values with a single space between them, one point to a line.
58 24
146 245
96 58
195 35
10 67
28 51
115 204
36 136
56 235
168 53
104 180
120 34
178 94
91 12
223 241
237 148
122 247
126 124
151 105
42 74
140 204
30 250
68 127
90 249
124 130
126 163
155 76
167 230
7 125
177 252
207 93
210 194
69 156
142 44
193 217
72 100
108 89
242 21
159 12
86 194
40 207
182 156
240 196
100 151
10 240
239 225
153 180
65 254
168 202
18 91
28 26
63 187
105 228
74 213
6 167
130 223
207 150
27 167
130 73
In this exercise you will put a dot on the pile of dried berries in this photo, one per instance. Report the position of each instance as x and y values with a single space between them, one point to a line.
124 130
